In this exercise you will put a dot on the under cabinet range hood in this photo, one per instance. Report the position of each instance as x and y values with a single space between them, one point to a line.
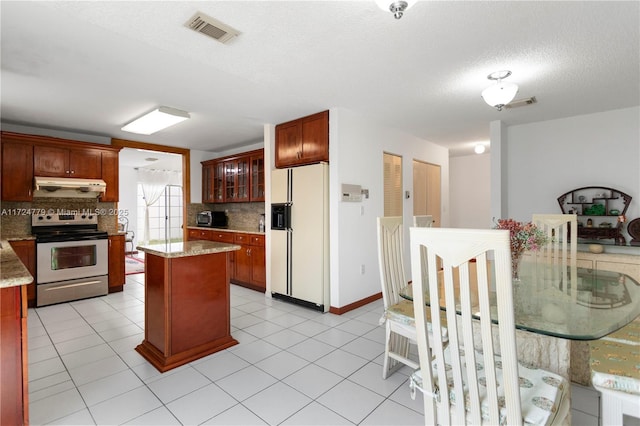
68 187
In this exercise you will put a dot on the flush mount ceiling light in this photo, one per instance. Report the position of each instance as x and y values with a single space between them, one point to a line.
158 119
397 7
501 93
479 149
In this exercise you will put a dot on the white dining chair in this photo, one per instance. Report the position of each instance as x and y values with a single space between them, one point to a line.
400 331
615 373
423 221
466 381
558 258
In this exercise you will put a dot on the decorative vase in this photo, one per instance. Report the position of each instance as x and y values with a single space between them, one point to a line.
516 257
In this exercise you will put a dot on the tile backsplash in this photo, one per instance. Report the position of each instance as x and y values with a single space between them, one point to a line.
241 215
15 218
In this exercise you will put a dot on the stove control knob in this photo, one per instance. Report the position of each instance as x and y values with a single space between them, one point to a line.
84 216
48 217
90 216
40 217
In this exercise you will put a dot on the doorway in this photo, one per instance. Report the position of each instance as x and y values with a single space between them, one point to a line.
151 156
392 165
426 190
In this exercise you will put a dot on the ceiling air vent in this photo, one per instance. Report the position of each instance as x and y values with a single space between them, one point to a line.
211 27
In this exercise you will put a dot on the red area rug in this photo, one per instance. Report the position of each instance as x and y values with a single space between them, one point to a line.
133 265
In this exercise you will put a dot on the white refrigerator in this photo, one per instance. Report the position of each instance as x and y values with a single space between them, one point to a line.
300 235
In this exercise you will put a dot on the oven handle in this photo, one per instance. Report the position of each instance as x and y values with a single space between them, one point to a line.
72 285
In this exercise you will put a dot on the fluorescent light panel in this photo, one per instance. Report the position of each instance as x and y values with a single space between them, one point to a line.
156 120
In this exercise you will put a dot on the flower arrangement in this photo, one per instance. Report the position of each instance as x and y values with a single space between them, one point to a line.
524 236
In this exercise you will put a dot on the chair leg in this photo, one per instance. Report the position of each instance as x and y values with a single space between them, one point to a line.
396 344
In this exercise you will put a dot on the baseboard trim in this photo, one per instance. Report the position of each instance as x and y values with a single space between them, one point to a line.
355 305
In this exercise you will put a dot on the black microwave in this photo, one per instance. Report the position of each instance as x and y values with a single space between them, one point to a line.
212 219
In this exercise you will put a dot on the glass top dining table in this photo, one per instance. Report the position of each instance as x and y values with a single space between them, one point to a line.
603 302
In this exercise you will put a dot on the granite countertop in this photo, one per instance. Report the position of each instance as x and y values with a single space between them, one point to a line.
12 271
188 248
247 230
19 237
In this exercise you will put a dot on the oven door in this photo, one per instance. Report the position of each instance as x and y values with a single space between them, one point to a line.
68 260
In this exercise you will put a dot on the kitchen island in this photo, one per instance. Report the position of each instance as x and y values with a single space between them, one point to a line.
187 311
14 395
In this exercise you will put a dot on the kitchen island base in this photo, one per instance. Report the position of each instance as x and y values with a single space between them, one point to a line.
187 310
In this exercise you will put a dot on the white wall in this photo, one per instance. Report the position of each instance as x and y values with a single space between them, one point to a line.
547 159
470 191
127 198
356 157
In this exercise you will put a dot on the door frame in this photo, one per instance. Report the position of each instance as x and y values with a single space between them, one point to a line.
186 168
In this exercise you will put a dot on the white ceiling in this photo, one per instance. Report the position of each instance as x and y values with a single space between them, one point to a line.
92 66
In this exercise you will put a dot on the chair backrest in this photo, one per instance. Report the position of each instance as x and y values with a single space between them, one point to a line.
391 258
455 248
557 259
123 224
423 221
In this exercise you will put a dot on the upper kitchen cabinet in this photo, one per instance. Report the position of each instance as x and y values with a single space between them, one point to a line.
110 174
17 170
25 156
236 172
303 141
235 178
257 177
67 162
207 183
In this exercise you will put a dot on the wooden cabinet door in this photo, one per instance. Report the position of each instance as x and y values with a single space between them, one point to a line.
242 260
242 179
257 178
258 262
207 184
229 181
218 182
288 143
50 161
17 171
243 264
26 252
85 163
110 174
116 263
315 138
303 141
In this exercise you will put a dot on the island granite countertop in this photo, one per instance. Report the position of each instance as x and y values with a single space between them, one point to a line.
12 271
188 248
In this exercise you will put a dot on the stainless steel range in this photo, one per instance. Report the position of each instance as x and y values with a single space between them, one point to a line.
72 260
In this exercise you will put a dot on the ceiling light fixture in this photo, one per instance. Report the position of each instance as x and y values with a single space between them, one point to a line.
479 149
158 119
397 7
501 93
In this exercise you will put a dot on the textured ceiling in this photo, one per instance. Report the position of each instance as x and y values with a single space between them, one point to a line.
93 66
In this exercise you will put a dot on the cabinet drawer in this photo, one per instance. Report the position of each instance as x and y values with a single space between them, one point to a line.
240 238
222 237
257 240
199 234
